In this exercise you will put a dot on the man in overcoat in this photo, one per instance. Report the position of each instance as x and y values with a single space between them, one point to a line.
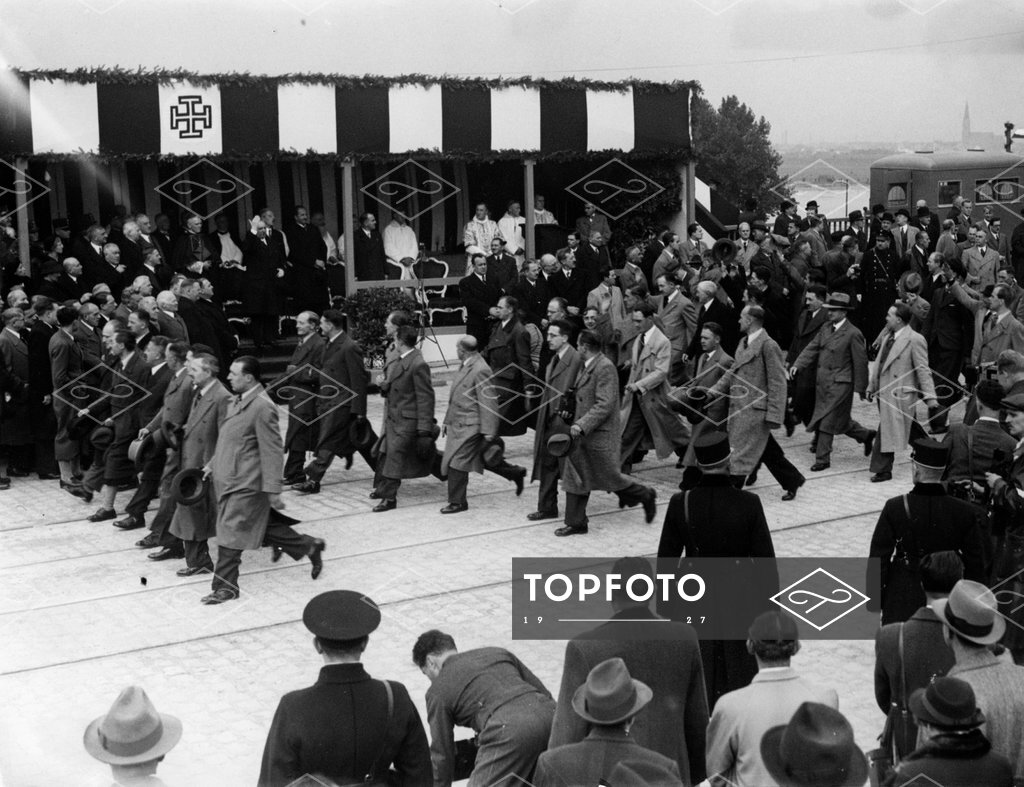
65 366
406 446
16 426
246 473
265 260
839 355
302 384
195 524
307 254
756 389
559 375
347 727
507 353
479 291
801 387
593 460
471 425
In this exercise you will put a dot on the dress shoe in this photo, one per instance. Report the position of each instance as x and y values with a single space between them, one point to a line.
103 515
15 472
293 480
191 571
650 507
451 508
375 495
536 516
679 464
85 494
870 442
5 482
149 542
47 476
219 597
167 553
877 477
275 554
77 477
349 458
751 479
520 481
572 530
129 523
818 466
791 493
319 545
307 487
385 505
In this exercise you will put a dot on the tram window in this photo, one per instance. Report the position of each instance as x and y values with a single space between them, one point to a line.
897 197
948 190
996 190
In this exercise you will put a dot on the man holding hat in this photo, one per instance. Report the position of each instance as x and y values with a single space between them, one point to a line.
471 426
347 727
133 738
742 716
815 749
916 524
841 360
973 623
609 701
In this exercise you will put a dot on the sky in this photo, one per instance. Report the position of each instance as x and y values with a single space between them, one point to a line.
822 71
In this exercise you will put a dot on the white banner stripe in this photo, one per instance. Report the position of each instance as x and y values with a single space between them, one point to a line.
65 116
415 117
610 120
515 118
307 118
190 119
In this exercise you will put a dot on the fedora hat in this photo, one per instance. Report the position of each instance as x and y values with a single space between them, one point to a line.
972 612
172 434
560 444
494 452
816 749
101 437
610 695
132 731
360 433
188 486
839 300
947 703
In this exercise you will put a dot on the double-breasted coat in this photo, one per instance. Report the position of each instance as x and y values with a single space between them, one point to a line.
508 354
15 424
65 366
899 379
198 522
709 370
469 418
344 376
408 412
304 380
246 469
559 375
755 386
649 371
842 368
263 259
594 462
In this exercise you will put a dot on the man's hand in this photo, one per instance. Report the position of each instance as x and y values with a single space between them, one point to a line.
280 273
255 223
792 373
991 478
575 431
109 422
143 432
573 310
862 395
275 501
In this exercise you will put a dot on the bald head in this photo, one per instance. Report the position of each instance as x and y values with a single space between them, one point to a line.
467 344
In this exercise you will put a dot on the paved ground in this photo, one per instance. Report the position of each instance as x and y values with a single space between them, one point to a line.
82 613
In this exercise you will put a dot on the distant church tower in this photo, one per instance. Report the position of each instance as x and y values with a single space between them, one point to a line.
965 133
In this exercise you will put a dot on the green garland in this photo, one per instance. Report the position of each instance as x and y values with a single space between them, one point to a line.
142 76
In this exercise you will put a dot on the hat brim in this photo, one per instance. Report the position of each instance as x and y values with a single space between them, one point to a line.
721 461
998 625
360 434
921 713
168 740
856 770
190 476
643 696
560 448
846 308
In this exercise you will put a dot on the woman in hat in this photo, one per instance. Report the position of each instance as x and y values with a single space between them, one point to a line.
955 752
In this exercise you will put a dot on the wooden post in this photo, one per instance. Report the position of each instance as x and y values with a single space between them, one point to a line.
21 208
531 246
348 225
691 176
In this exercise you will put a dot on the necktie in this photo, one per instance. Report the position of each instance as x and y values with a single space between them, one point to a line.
983 250
195 400
640 342
886 347
744 343
552 366
704 361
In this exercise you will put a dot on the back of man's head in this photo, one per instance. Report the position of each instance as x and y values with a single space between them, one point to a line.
939 572
989 395
773 638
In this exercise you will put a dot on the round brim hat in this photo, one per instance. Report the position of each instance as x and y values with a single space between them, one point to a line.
494 452
360 433
816 749
560 444
341 615
188 487
947 703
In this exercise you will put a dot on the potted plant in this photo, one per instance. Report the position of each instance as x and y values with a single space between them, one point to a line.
367 310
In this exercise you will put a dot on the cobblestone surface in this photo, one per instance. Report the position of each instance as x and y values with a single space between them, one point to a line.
83 613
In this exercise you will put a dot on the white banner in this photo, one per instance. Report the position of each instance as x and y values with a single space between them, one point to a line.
65 118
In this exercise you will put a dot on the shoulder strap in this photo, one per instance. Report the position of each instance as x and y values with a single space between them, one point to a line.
371 774
970 454
906 507
903 671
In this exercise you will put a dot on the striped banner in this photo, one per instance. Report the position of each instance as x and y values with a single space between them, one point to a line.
178 118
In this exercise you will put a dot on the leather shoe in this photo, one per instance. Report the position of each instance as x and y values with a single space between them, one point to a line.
572 530
129 523
451 508
15 472
292 480
385 505
536 516
817 466
307 487
149 542
275 554
219 597
881 477
791 493
191 571
751 479
167 553
650 508
870 442
319 546
5 482
103 515
679 464
375 495
47 476
349 458
520 481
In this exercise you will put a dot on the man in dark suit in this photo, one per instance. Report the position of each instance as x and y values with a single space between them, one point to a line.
302 378
109 271
610 702
631 274
573 283
501 265
592 255
307 254
715 519
346 727
70 285
132 248
15 424
949 331
193 252
40 388
479 292
265 260
155 270
508 354
711 309
801 388
65 366
163 236
675 723
916 524
88 249
370 260
532 293
340 376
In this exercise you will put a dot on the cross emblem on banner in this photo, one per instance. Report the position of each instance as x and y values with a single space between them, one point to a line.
191 118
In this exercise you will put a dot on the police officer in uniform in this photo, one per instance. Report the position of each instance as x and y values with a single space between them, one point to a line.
346 728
